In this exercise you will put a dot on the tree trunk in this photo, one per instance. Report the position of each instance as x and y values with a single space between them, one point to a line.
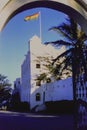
74 89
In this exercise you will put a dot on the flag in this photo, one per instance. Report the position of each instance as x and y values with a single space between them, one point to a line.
31 17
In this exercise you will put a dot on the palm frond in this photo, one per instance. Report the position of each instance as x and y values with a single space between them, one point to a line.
65 28
74 28
41 77
67 64
82 38
62 55
59 43
61 32
56 29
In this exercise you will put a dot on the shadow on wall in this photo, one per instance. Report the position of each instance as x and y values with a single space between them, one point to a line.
60 107
55 107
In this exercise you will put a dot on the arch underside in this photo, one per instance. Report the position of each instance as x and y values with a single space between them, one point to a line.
73 9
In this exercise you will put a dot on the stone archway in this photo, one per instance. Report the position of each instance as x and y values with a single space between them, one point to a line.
73 8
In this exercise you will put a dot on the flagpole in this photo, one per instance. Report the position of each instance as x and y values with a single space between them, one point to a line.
40 27
35 16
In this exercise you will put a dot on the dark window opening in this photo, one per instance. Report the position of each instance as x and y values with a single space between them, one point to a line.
38 97
37 65
38 83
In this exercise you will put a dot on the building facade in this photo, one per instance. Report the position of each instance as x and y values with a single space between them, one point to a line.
34 92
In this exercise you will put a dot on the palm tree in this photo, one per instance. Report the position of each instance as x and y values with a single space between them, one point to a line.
76 51
75 56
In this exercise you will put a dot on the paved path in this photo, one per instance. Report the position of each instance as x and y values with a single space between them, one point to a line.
24 121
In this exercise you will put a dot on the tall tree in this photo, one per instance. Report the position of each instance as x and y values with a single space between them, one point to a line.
5 88
76 53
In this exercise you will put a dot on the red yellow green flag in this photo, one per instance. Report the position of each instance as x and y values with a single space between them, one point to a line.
31 17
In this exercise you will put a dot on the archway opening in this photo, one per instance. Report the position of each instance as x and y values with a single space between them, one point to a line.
37 5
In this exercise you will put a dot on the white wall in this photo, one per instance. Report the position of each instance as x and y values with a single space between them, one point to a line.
55 91
25 79
33 102
29 72
59 90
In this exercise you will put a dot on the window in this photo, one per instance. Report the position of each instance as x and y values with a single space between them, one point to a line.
37 65
38 83
38 97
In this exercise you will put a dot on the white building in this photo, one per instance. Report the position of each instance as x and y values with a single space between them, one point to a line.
25 79
37 93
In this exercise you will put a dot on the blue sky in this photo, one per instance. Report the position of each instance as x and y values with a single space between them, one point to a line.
16 34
